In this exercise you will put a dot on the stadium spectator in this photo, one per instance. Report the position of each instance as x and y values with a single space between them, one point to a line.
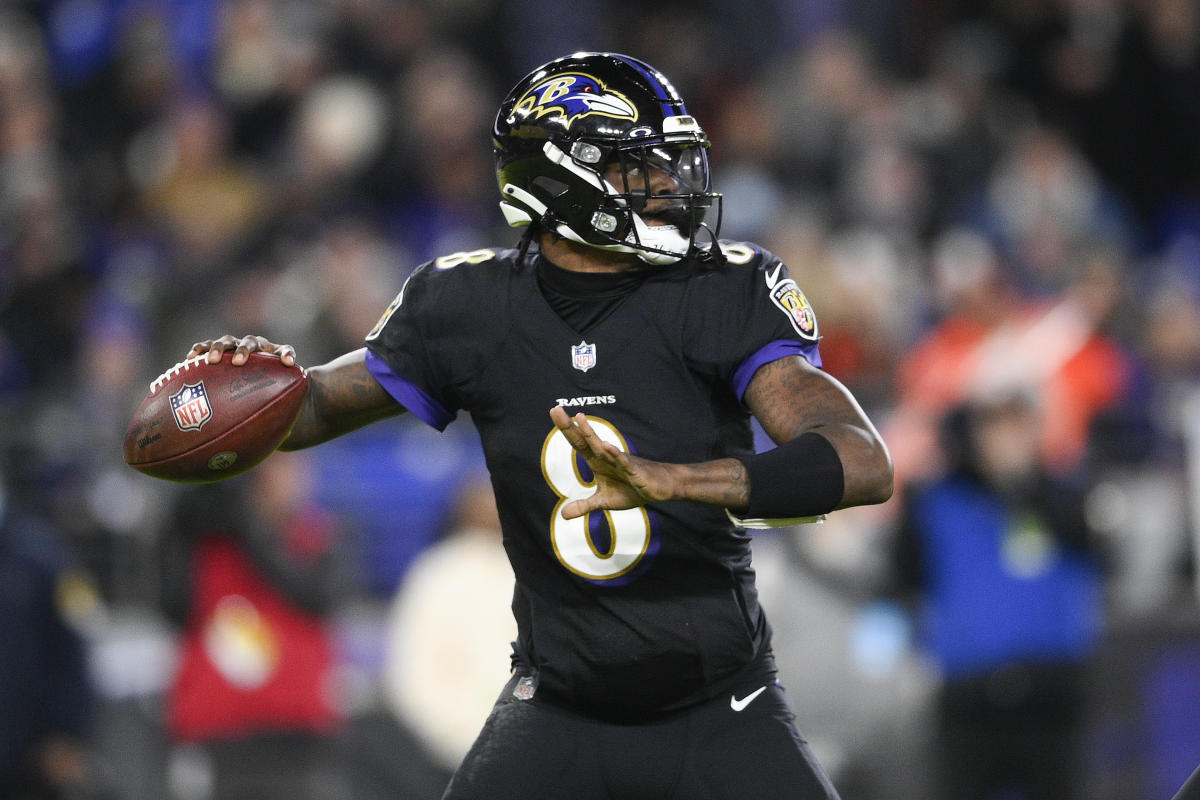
1003 577
251 575
450 628
47 708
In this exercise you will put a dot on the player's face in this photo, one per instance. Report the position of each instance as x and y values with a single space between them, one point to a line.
662 176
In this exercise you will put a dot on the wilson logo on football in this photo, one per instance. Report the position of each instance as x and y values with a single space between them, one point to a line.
190 407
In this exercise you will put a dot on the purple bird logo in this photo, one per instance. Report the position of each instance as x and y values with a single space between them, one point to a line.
572 96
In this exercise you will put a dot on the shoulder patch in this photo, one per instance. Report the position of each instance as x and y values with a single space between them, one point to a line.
788 298
387 313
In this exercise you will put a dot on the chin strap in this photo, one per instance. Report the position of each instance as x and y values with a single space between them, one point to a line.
658 245
669 245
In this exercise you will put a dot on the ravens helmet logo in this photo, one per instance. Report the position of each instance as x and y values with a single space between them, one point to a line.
571 96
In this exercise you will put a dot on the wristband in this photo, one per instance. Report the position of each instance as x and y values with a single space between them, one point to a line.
799 478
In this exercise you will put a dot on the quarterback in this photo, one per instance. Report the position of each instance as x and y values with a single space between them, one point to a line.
611 362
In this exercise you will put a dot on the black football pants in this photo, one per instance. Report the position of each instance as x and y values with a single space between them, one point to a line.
735 746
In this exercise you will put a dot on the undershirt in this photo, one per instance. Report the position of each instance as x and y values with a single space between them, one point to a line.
585 299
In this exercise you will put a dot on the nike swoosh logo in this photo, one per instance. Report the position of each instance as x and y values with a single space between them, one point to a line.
773 276
738 705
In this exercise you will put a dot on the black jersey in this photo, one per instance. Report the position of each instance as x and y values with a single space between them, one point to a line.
624 612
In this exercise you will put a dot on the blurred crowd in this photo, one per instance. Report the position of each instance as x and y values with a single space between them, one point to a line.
994 208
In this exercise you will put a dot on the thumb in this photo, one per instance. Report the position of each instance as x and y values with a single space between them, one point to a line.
577 508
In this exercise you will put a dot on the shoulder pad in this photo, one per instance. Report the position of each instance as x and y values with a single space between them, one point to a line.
466 267
743 253
449 275
772 275
452 260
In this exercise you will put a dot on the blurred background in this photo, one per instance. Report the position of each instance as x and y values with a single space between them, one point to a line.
993 205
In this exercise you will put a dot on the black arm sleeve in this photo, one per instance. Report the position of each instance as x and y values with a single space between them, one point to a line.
799 478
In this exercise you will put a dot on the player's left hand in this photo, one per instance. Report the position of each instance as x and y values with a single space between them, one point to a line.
241 347
622 480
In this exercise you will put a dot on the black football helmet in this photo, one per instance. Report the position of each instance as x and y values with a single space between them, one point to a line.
598 148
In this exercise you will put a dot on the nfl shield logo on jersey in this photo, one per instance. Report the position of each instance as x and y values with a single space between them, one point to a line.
190 406
583 356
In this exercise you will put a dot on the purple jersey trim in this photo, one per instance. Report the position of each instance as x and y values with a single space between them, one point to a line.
773 351
411 396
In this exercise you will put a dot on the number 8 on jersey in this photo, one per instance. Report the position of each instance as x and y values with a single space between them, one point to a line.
571 538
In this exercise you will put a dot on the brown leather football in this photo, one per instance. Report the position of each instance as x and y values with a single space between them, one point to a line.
204 422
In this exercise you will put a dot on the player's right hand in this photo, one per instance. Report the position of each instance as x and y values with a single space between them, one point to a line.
242 348
622 481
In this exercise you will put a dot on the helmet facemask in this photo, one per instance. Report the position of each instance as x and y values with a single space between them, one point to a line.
650 198
659 196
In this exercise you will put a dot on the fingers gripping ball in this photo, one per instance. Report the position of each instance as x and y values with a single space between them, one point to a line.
203 422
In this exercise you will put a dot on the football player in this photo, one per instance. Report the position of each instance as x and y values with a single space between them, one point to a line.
643 664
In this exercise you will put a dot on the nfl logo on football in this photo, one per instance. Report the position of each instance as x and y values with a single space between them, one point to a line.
190 406
583 356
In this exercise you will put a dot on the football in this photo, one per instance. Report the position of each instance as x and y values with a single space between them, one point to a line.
204 422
